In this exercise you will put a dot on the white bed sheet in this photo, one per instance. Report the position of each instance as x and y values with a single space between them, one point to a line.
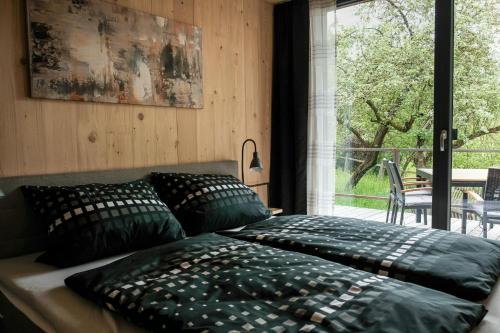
491 322
38 290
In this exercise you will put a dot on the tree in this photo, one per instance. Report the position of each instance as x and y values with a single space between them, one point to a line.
385 77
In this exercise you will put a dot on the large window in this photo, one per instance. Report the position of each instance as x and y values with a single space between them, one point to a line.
385 109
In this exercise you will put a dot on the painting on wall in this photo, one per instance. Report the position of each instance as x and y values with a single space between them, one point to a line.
92 50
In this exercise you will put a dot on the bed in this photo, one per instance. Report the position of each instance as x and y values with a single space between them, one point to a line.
34 296
215 283
461 265
39 292
22 240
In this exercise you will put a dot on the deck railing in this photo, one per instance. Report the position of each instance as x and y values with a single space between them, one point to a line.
396 157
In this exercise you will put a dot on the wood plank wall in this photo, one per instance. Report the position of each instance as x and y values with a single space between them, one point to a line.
41 136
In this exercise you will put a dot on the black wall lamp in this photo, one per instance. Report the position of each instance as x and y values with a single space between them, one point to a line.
255 165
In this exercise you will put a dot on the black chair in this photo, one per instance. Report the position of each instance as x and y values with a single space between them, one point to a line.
418 198
487 208
392 190
392 186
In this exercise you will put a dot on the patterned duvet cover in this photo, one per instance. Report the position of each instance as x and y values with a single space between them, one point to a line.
211 283
464 266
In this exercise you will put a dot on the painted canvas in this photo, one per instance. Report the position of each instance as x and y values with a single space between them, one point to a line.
91 50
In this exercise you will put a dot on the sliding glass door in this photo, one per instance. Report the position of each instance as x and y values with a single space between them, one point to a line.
417 85
476 116
385 110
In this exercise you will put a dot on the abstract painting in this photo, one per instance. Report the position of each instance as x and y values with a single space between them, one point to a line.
91 50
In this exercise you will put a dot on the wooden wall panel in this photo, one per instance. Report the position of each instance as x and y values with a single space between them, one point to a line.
229 98
166 137
206 12
258 73
44 136
91 143
183 10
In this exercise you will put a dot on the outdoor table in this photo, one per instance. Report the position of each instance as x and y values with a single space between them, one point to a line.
482 208
459 177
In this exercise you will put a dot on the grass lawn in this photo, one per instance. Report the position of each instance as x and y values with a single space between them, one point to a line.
370 184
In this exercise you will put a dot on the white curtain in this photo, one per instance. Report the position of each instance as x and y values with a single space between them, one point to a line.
321 150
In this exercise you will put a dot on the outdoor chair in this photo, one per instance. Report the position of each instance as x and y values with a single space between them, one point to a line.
392 191
418 198
392 186
487 208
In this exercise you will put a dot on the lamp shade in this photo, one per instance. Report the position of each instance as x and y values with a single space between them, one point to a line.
256 164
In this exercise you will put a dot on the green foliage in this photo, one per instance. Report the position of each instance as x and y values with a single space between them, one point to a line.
370 184
385 68
478 160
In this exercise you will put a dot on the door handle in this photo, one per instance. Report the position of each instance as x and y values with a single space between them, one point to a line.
442 137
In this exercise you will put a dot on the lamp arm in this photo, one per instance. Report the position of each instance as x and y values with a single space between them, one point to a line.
243 156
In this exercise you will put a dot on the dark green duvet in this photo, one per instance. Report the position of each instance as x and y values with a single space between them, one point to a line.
464 266
212 283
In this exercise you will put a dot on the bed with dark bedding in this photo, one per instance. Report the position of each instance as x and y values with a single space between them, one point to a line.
464 266
215 283
218 284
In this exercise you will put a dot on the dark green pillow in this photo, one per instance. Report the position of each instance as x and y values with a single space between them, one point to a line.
206 203
87 222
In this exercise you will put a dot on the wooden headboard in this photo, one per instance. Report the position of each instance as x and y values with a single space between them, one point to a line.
20 233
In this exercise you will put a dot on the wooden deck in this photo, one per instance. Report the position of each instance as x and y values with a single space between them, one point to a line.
473 227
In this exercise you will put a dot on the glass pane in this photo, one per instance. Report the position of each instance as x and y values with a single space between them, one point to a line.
477 117
385 73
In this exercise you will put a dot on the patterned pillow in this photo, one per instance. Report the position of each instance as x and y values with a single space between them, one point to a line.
87 222
205 203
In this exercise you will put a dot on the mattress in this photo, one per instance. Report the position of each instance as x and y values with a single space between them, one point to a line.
38 291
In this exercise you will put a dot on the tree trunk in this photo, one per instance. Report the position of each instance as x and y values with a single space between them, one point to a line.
371 157
419 160
369 162
406 164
